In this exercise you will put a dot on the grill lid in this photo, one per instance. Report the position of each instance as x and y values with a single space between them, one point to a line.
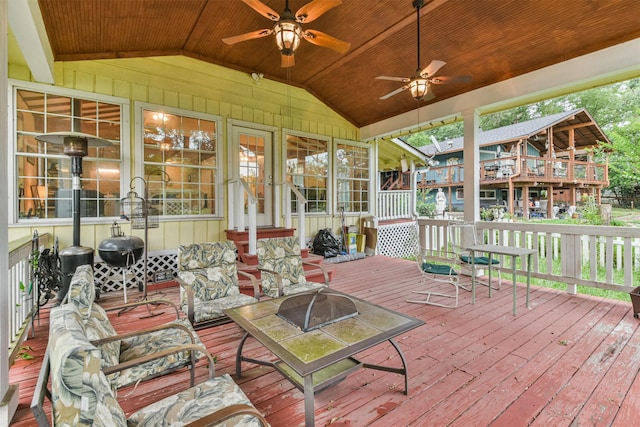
310 311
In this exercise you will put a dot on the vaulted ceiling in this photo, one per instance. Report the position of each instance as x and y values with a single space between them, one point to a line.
491 40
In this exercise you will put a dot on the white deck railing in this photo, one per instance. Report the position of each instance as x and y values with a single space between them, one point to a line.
394 204
237 188
596 256
289 188
22 295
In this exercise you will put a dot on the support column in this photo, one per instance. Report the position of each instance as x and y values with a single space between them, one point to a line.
8 393
471 155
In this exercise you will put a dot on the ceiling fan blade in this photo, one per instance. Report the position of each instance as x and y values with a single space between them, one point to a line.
248 36
450 79
395 92
321 39
315 9
432 68
287 61
394 79
262 9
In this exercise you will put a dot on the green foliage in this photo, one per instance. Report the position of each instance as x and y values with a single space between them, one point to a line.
591 211
24 353
426 209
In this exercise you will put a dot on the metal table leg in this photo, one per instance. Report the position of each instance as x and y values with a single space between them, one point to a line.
309 407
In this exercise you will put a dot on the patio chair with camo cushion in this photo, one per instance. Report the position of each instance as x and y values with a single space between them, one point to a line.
282 268
463 234
131 357
208 278
81 394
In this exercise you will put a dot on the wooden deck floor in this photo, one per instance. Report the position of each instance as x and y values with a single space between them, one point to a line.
568 360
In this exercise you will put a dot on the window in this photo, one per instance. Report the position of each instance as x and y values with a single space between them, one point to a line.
353 177
488 194
459 194
43 171
180 162
307 161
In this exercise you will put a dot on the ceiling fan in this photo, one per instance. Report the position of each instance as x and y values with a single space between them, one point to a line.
420 84
288 28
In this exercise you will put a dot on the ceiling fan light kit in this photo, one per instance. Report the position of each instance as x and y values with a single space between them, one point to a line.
288 36
419 88
288 29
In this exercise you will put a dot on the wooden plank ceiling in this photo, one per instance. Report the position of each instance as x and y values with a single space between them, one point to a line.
491 40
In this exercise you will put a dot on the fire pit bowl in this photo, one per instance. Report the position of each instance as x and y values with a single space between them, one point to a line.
313 310
121 251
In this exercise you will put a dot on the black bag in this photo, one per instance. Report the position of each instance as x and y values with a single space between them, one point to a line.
326 244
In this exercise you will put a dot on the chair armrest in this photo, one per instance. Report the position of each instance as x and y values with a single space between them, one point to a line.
41 391
192 348
278 279
190 299
254 282
229 412
321 267
125 335
145 302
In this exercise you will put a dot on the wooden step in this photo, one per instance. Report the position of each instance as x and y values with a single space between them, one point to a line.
241 238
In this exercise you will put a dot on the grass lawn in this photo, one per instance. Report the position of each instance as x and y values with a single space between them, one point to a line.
623 217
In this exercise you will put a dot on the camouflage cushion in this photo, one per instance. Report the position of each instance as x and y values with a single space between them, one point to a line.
213 309
195 403
98 326
210 269
82 291
81 394
282 255
145 344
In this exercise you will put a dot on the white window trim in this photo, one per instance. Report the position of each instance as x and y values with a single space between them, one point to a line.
373 193
220 155
330 183
125 145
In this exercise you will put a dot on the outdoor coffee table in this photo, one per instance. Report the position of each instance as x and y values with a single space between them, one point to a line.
322 357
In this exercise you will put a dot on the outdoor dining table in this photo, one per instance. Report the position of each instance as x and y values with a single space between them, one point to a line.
511 251
322 357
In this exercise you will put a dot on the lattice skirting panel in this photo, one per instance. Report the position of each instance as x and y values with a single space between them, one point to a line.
398 240
110 279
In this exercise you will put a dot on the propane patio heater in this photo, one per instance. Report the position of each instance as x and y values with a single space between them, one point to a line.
76 145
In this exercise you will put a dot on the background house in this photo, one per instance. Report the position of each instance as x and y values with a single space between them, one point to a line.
547 161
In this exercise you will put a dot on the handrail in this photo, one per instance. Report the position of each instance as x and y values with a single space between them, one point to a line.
22 302
237 189
301 202
596 256
526 169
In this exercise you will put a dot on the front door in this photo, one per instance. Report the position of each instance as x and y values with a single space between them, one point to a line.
253 162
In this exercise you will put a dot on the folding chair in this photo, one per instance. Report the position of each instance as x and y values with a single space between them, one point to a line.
463 234
440 270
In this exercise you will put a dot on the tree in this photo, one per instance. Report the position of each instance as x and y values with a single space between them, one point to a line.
616 109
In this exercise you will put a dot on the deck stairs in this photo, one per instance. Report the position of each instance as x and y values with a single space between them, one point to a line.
249 263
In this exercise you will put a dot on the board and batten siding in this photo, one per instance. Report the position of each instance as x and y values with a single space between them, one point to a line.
192 85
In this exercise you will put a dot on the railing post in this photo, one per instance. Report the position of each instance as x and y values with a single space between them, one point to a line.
231 194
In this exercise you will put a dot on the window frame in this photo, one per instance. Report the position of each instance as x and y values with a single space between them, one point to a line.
218 205
329 181
124 139
371 171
